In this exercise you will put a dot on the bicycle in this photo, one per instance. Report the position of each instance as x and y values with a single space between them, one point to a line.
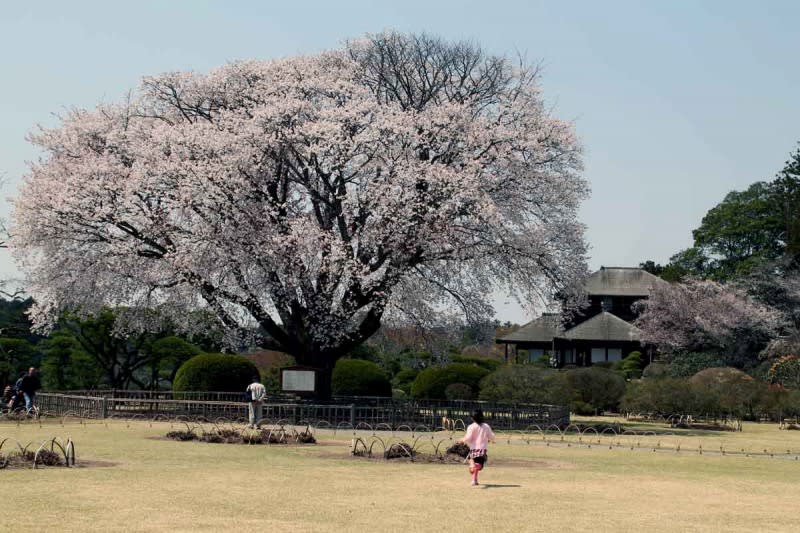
20 413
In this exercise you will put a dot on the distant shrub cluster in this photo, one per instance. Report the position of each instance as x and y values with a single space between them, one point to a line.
693 383
586 390
709 395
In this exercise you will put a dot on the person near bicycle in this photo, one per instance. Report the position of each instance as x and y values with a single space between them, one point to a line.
8 395
29 384
13 398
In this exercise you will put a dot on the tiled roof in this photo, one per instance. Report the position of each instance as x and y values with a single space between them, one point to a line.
543 329
603 327
622 281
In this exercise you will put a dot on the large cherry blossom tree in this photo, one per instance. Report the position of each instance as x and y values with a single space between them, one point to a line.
310 197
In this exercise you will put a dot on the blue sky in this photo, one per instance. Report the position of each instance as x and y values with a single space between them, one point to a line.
676 102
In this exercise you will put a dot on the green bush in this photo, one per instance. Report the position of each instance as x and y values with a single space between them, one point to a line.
579 407
484 362
731 391
356 377
458 391
404 378
631 367
655 370
432 382
599 387
663 396
685 365
543 361
215 372
716 393
711 377
780 403
526 384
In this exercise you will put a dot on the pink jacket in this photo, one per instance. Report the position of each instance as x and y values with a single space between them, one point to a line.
478 436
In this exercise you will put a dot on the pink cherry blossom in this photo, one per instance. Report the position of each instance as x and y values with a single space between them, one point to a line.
701 315
298 197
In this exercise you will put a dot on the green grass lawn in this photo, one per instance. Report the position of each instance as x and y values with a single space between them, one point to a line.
134 480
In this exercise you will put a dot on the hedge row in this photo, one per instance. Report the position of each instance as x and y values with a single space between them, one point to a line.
712 391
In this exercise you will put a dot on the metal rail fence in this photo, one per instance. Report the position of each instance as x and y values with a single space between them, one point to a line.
393 413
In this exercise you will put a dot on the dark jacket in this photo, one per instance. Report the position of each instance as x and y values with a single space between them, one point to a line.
30 384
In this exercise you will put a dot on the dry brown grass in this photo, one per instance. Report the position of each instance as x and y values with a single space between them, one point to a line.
158 485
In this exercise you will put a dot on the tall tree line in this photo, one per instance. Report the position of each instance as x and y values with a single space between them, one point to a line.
87 352
747 231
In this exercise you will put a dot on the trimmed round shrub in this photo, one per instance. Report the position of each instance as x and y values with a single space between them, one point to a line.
664 396
458 391
526 384
720 376
404 378
655 370
732 391
356 377
484 362
600 388
215 372
686 365
432 382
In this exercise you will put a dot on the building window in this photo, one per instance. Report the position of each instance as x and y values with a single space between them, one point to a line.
598 355
608 303
615 354
569 356
534 354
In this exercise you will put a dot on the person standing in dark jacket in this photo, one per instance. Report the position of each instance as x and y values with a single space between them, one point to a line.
29 384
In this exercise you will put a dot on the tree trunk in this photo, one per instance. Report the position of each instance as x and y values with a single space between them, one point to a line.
323 362
324 390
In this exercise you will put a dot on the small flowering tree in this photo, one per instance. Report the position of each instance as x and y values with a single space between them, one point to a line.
702 315
785 372
308 198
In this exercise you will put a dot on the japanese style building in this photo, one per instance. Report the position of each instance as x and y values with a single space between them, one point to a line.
601 332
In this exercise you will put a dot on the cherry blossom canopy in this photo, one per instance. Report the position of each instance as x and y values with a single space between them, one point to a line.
308 198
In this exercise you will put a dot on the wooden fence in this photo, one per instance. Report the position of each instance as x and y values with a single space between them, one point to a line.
373 412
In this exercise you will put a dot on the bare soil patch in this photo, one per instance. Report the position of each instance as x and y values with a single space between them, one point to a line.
95 463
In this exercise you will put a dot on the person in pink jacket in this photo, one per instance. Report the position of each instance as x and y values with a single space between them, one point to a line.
479 434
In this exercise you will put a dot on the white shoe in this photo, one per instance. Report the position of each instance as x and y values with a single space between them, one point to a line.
474 483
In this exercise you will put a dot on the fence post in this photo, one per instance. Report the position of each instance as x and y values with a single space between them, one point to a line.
353 415
103 407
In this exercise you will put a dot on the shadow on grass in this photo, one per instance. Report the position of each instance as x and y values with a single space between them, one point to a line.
498 486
